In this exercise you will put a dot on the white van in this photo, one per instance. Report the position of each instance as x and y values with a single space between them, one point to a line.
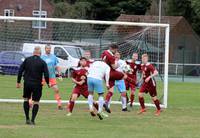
68 56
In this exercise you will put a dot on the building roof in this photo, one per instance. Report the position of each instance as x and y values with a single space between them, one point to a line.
178 24
172 20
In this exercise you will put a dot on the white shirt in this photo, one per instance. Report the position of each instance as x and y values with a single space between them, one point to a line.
99 70
120 64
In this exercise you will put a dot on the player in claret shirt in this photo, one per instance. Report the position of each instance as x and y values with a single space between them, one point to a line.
149 85
108 56
135 68
79 78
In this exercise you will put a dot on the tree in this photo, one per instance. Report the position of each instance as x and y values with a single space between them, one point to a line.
190 9
196 18
77 10
138 7
71 31
111 9
180 8
196 6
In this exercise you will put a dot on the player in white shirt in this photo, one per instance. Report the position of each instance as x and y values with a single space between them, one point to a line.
96 74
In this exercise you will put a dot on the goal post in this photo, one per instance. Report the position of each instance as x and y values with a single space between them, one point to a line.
91 35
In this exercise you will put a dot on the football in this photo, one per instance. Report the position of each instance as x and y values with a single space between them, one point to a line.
126 68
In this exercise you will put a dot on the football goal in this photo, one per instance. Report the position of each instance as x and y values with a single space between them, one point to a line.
71 37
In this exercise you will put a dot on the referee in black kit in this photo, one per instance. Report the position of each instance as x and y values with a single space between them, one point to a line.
32 69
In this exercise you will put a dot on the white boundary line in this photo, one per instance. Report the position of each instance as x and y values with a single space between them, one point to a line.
65 101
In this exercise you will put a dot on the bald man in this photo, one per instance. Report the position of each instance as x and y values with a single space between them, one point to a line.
33 68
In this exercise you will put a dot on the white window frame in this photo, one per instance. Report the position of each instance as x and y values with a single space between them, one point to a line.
9 12
35 24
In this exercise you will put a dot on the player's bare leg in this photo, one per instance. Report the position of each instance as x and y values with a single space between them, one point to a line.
30 102
157 104
57 97
71 104
132 97
141 101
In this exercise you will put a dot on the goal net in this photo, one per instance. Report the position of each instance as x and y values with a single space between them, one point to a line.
70 37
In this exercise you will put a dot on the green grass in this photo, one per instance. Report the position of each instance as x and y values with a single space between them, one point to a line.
180 120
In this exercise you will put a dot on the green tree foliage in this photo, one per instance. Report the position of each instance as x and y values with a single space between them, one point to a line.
70 31
111 9
100 9
180 8
77 10
196 18
190 9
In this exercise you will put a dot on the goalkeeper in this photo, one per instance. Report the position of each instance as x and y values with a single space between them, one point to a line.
52 64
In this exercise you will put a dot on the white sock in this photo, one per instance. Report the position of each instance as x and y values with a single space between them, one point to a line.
124 104
90 102
101 102
109 102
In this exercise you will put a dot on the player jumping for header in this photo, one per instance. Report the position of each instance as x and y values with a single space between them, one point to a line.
109 57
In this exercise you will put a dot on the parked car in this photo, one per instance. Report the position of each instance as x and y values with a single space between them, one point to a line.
68 55
10 61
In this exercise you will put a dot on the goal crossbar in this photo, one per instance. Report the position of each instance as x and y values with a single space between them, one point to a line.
84 21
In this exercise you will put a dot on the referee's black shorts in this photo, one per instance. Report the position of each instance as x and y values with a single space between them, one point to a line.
32 90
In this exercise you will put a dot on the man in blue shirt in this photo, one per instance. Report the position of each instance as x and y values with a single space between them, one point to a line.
52 64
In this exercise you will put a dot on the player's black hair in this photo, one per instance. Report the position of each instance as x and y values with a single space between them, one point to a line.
83 58
114 46
80 60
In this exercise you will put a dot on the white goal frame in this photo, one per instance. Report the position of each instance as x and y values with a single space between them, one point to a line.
167 31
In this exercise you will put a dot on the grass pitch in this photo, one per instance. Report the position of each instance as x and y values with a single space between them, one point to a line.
180 120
